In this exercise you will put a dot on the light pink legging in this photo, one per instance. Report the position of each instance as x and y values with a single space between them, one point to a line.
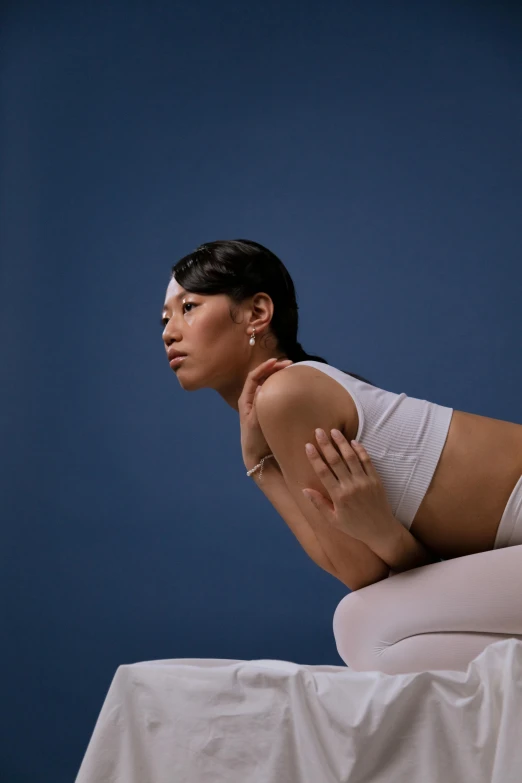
438 616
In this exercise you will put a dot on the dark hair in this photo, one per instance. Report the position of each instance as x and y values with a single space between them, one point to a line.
241 268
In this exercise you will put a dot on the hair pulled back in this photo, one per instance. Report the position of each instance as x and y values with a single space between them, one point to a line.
241 268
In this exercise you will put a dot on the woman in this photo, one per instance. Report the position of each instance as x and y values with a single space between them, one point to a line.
424 482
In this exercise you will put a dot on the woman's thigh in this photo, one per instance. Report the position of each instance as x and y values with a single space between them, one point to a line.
479 594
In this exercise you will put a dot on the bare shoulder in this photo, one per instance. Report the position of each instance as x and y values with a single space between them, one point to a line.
311 395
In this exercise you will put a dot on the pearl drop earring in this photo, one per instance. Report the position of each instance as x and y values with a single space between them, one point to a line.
252 340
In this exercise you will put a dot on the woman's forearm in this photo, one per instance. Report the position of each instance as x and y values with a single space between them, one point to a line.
349 560
400 549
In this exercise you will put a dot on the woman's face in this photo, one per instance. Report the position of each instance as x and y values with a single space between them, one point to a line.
200 326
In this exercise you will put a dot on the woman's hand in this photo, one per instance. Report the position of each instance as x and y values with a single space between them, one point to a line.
358 504
253 442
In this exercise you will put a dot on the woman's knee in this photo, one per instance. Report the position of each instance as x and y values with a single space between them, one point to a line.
356 631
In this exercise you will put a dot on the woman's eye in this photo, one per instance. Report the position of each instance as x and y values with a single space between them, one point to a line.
164 321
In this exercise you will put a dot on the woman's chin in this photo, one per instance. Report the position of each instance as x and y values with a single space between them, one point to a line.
186 381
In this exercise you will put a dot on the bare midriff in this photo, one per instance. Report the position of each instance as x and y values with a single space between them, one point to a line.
479 466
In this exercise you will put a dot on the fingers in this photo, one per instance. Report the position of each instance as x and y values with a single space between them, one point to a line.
345 465
258 375
366 461
265 368
329 481
358 452
258 371
322 504
350 454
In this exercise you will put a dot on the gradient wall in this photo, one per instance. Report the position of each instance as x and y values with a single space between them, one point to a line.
376 148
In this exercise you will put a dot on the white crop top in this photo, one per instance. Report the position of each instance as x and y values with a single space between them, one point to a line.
404 437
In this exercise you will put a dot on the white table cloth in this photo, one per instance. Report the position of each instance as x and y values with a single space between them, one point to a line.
197 720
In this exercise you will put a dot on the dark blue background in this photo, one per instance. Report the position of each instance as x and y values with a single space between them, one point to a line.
376 148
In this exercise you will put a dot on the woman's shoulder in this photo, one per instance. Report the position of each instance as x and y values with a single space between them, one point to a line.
303 386
299 380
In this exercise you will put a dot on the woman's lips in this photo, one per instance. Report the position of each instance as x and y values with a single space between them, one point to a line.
176 361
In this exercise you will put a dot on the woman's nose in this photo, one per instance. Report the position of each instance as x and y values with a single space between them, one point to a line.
170 336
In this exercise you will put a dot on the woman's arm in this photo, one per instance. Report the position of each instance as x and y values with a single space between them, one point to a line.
356 502
288 410
349 560
288 413
401 550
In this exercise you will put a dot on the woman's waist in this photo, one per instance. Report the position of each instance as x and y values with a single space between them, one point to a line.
479 466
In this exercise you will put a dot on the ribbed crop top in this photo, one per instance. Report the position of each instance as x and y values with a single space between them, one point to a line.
404 437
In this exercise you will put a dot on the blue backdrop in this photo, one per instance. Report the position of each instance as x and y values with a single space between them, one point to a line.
373 146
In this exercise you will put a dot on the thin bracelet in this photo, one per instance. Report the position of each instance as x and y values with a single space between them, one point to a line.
259 464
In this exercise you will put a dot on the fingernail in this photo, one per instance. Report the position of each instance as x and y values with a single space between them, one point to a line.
335 433
309 448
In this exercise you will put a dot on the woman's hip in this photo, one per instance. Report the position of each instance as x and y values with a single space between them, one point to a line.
509 531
